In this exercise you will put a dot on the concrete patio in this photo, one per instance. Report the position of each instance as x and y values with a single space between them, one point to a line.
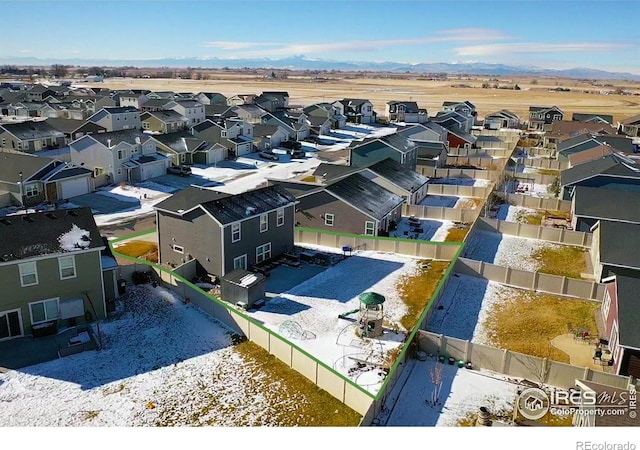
580 352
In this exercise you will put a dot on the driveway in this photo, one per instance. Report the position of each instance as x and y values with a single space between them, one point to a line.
177 182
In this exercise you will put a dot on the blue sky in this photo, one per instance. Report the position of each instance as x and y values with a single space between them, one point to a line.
551 34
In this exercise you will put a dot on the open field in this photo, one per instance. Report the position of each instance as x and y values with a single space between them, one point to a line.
428 93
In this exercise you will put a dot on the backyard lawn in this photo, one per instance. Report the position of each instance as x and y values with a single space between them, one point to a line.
561 260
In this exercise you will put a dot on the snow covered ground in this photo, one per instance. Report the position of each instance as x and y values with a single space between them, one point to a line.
504 250
308 313
462 393
163 362
440 200
465 306
432 230
462 181
510 213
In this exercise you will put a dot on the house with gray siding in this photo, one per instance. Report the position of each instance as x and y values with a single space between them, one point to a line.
184 148
352 204
615 249
236 135
407 112
394 146
589 205
191 109
121 156
117 118
167 121
356 110
51 272
408 184
224 232
30 136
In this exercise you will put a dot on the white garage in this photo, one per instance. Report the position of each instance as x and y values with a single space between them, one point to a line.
73 188
154 170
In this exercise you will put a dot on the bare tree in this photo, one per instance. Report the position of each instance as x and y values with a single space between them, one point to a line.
435 374
59 70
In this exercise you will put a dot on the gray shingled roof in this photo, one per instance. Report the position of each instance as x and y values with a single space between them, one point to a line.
180 141
70 172
165 115
364 195
11 164
189 198
606 204
620 244
31 130
333 171
248 204
582 117
628 311
28 235
405 179
607 165
120 136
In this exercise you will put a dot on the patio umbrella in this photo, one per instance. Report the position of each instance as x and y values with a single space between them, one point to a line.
371 298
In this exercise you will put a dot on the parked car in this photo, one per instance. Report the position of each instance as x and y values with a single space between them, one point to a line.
183 171
297 154
294 145
312 139
268 155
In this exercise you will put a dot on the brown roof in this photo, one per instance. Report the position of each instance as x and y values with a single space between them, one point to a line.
589 155
617 396
568 128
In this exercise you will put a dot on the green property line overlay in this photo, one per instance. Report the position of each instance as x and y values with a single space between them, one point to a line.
380 238
271 332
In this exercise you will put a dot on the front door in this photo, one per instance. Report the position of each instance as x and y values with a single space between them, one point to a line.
10 324
51 192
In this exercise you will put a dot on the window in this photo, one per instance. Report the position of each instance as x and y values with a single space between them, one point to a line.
119 171
31 190
369 228
280 217
120 154
328 220
263 252
67 266
98 171
264 223
4 142
224 134
235 232
606 304
240 262
28 274
178 248
145 125
43 311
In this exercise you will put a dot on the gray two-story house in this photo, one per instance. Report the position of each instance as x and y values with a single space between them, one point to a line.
224 232
51 272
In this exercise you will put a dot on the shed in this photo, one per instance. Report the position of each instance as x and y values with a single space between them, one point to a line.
241 287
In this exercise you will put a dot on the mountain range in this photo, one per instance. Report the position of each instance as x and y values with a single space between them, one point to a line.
301 62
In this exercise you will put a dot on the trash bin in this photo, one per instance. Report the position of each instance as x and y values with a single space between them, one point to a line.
122 286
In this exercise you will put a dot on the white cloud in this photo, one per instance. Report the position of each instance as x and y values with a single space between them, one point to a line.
532 47
250 49
25 51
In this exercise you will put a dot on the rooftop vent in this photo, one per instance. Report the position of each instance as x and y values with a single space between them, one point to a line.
5 221
51 215
28 219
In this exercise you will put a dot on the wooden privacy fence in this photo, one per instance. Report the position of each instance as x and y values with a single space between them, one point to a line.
528 201
476 161
536 178
456 190
532 368
441 213
532 281
558 235
545 163
479 174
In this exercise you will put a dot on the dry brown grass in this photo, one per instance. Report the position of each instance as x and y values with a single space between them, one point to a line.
561 260
140 249
558 214
529 218
552 172
428 93
309 179
416 290
456 234
528 321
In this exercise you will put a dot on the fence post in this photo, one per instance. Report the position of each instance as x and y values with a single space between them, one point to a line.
505 361
442 344
587 374
564 285
467 350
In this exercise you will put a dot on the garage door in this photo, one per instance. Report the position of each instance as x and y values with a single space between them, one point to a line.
154 170
73 188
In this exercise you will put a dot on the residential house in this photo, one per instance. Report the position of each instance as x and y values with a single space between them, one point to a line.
167 121
621 317
51 272
319 125
612 171
241 99
454 120
38 93
610 400
328 172
215 112
296 124
326 110
432 154
407 112
117 118
165 95
133 99
589 205
630 126
356 110
252 114
30 136
615 249
405 183
592 118
272 101
584 156
562 130
184 148
460 139
155 104
501 119
235 135
266 137
30 179
224 232
351 204
73 129
425 132
211 98
120 156
467 108
394 146
540 116
191 109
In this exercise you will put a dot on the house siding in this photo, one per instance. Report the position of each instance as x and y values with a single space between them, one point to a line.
88 279
312 208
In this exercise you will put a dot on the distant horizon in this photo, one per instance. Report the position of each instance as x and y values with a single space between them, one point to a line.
555 35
